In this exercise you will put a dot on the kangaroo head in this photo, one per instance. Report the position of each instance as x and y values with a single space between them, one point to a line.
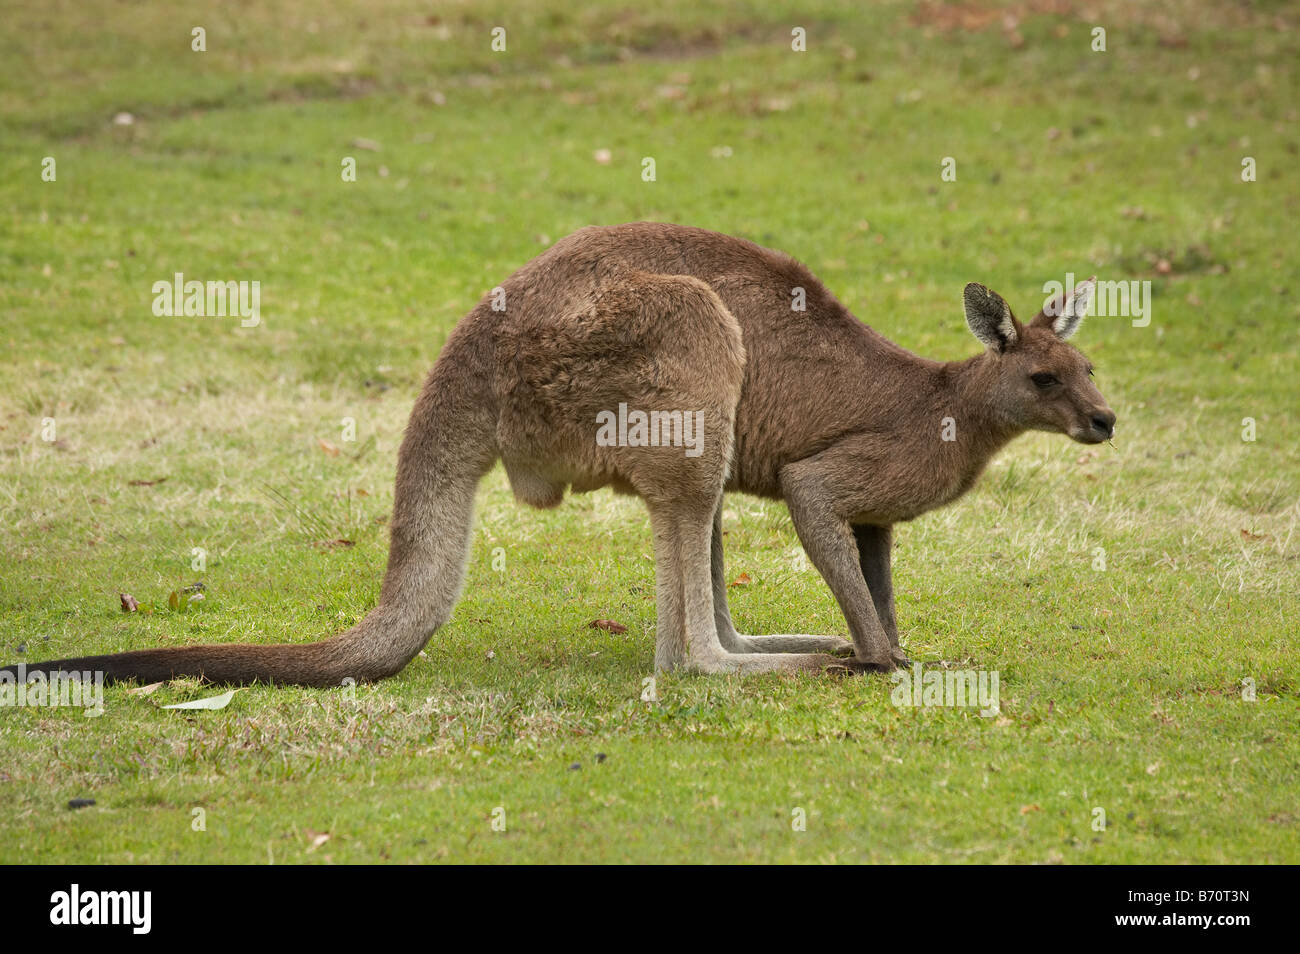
1037 381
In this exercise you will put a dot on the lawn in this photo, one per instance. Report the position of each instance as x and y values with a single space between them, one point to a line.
1138 600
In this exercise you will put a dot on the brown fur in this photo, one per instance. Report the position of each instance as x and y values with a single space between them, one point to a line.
812 407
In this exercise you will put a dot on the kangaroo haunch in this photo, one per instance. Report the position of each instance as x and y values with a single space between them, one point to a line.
790 396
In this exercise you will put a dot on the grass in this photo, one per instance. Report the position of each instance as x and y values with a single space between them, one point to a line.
1121 688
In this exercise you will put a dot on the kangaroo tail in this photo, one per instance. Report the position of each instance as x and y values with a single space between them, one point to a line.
449 445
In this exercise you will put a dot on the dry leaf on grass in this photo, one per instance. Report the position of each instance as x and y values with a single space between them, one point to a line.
334 544
212 702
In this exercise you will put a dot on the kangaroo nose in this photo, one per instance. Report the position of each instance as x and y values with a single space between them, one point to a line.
1104 423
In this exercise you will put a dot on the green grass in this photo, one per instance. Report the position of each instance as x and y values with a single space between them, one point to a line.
1121 688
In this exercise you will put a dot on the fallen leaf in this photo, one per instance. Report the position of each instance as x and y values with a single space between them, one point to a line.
211 702
368 144
148 690
603 156
327 447
317 839
1026 809
742 580
1247 535
608 625
129 604
145 483
335 544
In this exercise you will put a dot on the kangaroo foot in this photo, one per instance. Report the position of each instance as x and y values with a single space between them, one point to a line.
794 644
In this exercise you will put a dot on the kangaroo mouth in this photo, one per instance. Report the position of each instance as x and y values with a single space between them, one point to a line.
1090 435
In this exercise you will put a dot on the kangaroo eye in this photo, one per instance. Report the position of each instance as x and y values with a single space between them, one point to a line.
1043 379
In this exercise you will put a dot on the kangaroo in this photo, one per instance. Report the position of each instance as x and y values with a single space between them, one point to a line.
802 404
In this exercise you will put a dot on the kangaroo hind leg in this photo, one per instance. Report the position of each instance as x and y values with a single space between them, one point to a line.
688 636
736 642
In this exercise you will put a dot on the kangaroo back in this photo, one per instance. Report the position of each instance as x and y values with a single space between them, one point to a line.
449 445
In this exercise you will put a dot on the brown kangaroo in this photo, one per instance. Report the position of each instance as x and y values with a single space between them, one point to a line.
753 377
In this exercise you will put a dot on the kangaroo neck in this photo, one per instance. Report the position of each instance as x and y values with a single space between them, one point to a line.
979 428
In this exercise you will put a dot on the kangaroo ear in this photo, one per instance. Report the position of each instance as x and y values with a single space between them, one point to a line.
1064 317
990 318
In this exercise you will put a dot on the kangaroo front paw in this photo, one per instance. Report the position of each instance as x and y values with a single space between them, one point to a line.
852 666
